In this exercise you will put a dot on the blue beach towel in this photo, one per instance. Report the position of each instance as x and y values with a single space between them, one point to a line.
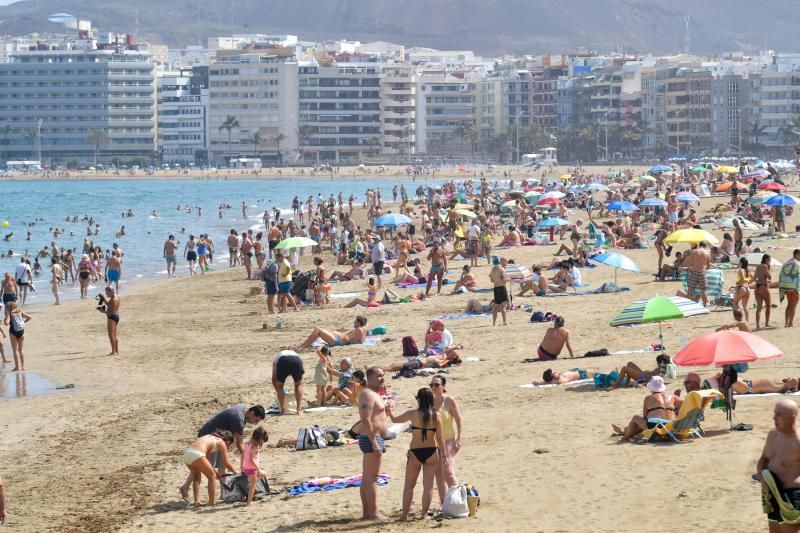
307 488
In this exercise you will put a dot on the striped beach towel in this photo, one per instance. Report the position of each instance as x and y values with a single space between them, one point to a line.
715 283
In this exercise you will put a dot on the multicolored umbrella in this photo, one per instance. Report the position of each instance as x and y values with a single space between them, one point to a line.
553 194
658 309
726 347
550 201
761 197
653 202
596 187
516 272
691 236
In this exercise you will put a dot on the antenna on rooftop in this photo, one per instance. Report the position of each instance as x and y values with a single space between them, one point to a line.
687 38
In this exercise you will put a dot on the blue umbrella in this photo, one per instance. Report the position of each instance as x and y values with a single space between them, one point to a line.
622 205
659 168
618 261
392 219
552 223
781 199
596 187
653 202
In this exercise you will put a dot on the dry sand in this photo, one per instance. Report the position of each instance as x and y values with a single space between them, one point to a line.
106 455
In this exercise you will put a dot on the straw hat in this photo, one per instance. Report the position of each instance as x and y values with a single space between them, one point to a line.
656 384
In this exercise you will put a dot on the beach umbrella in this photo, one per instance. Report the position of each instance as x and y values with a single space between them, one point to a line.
771 186
465 213
532 194
761 197
618 261
295 242
550 201
724 187
781 199
464 206
565 177
622 205
552 194
726 347
727 223
552 222
659 168
658 309
632 183
516 272
510 203
686 197
392 219
754 258
653 202
650 179
727 170
760 173
697 169
596 187
691 236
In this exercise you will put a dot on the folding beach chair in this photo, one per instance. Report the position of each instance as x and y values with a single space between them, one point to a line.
687 425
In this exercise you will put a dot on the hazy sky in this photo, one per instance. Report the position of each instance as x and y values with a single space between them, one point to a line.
6 2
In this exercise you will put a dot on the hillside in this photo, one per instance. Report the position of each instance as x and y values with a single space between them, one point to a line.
487 26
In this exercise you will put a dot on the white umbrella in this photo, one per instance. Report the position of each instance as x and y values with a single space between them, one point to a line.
552 194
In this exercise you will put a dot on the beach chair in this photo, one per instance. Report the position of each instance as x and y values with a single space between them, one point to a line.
687 424
715 281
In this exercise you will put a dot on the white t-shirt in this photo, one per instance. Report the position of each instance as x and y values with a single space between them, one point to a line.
474 232
23 272
378 252
447 340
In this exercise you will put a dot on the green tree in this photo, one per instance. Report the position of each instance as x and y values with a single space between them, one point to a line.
230 123
461 130
279 138
256 139
474 138
756 131
97 138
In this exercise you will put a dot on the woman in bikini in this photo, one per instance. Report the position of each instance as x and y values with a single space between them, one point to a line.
763 298
741 296
427 449
372 296
196 458
85 271
403 248
657 405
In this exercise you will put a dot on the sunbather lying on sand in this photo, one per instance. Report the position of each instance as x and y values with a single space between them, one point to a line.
337 338
448 358
552 377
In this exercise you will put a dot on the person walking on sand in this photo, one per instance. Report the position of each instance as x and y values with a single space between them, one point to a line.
438 259
16 321
763 278
113 270
373 424
781 457
190 249
24 279
197 459
111 310
170 255
233 418
498 277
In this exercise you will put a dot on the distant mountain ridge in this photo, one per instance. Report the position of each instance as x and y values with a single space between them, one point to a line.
489 27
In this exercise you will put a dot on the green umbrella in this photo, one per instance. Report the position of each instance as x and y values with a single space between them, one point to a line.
698 169
657 309
295 242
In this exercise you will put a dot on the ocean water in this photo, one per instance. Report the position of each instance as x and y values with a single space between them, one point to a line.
47 203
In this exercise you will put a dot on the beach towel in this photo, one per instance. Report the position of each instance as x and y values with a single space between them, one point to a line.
419 285
456 316
326 408
715 281
326 484
340 295
234 488
532 386
605 288
369 341
765 394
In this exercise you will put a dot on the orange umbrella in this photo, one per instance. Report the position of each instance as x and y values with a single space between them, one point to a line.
726 347
724 187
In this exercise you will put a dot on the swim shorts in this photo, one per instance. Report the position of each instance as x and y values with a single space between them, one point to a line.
365 445
500 295
170 259
271 288
289 365
790 495
697 280
284 287
544 355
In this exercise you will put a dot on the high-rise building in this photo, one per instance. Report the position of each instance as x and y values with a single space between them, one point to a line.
446 112
398 109
253 109
340 111
78 99
183 116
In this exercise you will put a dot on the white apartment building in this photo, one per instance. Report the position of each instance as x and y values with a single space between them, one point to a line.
340 111
446 104
775 103
256 90
183 116
398 109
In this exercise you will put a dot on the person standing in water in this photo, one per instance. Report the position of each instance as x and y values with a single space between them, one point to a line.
55 281
170 255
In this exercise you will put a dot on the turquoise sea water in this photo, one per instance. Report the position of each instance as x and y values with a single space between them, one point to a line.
49 202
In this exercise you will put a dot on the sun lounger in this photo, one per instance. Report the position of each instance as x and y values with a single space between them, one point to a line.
687 424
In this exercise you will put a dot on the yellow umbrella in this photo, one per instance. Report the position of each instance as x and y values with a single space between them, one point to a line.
565 177
646 178
691 236
465 213
728 170
465 206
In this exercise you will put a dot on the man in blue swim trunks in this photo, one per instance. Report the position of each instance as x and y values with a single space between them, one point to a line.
372 412
553 377
438 259
113 270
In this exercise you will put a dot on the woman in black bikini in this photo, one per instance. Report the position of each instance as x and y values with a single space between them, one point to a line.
658 404
424 453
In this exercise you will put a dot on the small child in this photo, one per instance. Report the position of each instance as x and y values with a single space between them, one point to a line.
321 376
251 459
343 390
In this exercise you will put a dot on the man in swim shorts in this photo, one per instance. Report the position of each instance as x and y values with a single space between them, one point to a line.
500 301
113 270
552 377
698 261
372 414
555 338
438 259
288 363
171 255
781 457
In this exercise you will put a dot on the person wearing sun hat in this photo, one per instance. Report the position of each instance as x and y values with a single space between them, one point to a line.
657 404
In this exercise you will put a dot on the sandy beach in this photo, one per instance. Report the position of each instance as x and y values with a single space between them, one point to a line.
106 455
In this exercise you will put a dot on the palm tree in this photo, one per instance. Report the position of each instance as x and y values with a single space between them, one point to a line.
280 137
304 133
462 130
474 137
31 134
98 137
256 139
756 131
6 131
230 123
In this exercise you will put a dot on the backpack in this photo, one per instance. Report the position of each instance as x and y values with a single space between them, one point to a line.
410 347
310 438
537 316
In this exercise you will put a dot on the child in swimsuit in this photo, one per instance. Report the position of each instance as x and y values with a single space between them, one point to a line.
251 458
321 375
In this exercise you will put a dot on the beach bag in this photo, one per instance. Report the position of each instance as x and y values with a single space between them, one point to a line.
310 438
455 502
410 347
603 381
537 316
234 488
